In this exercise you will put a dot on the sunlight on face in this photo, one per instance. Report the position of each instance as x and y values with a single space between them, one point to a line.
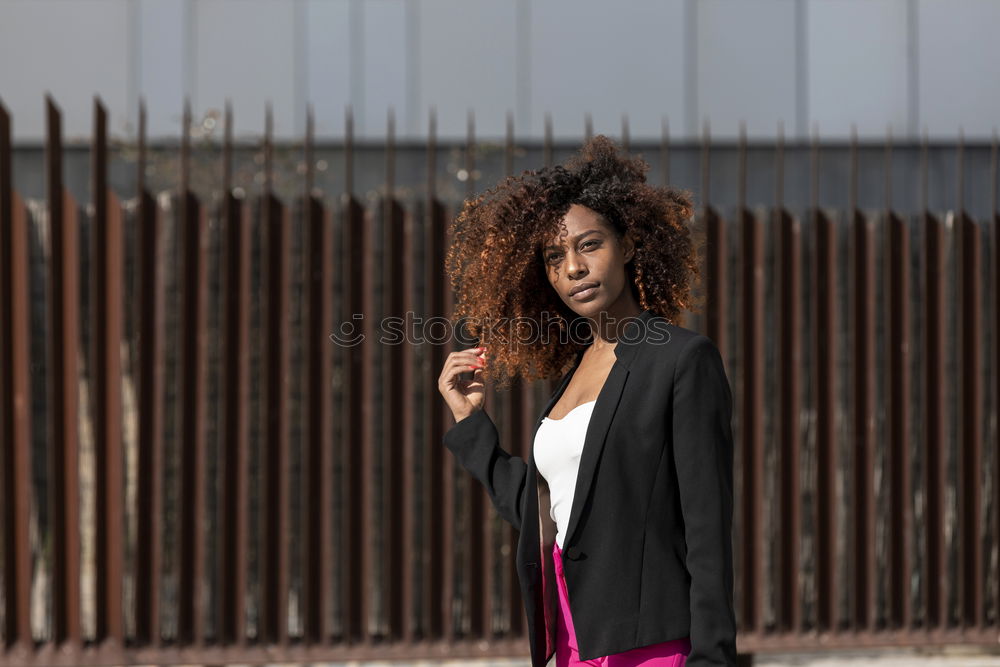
589 259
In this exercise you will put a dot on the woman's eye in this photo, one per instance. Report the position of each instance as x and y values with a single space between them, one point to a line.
555 255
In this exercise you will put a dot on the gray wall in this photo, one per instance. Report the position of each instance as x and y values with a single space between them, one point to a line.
911 64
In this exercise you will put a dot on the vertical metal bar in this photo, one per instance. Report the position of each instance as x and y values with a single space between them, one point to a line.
404 304
354 499
626 143
863 411
790 380
410 443
741 159
355 502
716 261
752 403
706 165
897 355
192 392
935 422
275 549
717 281
369 411
588 127
236 398
15 390
551 384
394 414
149 307
107 327
825 379
431 184
752 437
480 515
318 464
63 339
995 215
449 464
969 265
349 564
436 558
960 173
519 425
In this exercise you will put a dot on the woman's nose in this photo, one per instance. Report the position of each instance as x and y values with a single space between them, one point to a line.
575 267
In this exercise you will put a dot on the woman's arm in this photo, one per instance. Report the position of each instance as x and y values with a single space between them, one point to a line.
476 444
703 451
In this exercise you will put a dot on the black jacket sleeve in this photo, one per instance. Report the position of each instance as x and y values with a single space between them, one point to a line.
703 451
476 444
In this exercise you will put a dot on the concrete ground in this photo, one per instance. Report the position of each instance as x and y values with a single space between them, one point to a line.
954 657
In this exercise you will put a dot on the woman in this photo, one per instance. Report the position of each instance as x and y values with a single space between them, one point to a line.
624 507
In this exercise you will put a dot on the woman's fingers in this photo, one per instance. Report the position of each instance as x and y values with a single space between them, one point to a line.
464 359
461 361
463 394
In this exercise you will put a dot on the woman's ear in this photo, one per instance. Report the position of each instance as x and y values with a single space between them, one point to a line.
628 247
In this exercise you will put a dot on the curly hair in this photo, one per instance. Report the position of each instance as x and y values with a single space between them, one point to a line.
495 267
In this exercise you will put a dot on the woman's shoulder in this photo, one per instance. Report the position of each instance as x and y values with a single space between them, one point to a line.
661 343
657 333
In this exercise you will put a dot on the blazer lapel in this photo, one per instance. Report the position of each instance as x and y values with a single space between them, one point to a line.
593 443
600 422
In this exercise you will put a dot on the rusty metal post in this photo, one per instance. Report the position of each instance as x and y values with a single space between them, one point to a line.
149 309
789 340
519 425
356 449
716 260
276 224
106 282
995 229
550 385
479 517
863 406
751 404
396 413
192 389
935 421
825 296
15 392
897 258
438 558
63 482
969 271
318 464
234 489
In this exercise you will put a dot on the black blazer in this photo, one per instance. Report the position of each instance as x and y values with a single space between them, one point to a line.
648 548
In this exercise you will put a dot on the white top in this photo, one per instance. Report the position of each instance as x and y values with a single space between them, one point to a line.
557 449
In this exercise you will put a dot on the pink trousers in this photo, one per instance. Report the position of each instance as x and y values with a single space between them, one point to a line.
667 654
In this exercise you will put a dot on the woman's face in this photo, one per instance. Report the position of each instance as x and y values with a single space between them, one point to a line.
586 266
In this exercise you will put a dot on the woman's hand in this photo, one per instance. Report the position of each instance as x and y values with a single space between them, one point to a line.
463 396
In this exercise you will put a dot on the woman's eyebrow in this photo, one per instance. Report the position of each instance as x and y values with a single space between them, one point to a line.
575 238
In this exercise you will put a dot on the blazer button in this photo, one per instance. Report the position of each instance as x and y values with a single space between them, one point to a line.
572 553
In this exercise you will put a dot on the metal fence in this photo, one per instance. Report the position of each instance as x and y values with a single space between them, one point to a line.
194 471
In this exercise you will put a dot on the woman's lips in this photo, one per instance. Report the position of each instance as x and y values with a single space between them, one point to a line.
583 295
